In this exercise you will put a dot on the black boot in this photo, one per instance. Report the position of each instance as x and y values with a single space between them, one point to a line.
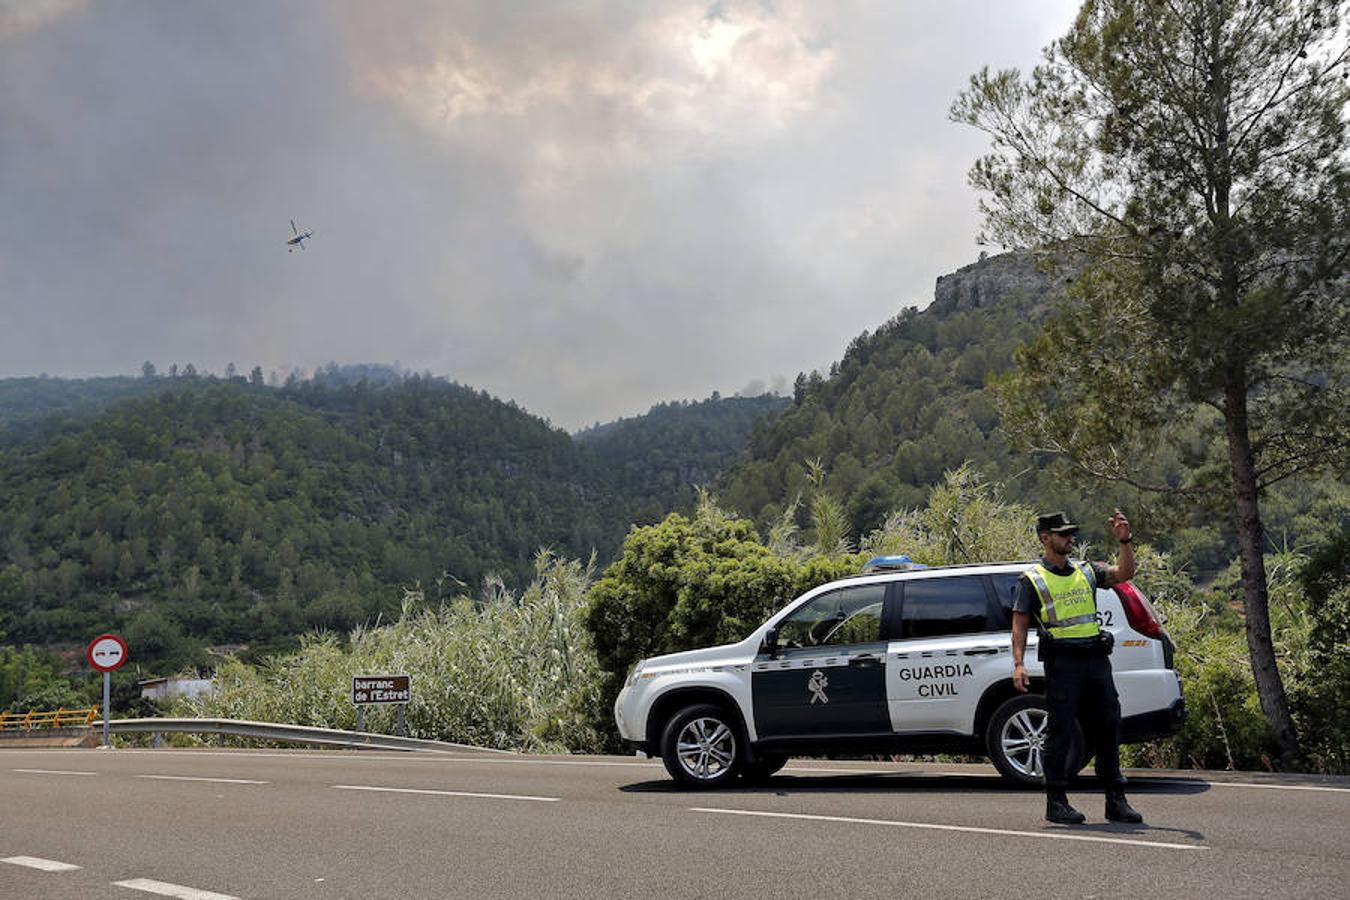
1118 809
1058 810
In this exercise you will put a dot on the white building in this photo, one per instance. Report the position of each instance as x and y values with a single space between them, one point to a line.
160 688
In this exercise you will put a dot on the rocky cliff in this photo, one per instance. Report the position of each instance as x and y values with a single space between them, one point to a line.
1009 279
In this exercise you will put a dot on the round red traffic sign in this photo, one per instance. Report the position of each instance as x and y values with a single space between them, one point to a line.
106 652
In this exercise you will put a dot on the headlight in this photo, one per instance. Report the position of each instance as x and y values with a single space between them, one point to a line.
633 673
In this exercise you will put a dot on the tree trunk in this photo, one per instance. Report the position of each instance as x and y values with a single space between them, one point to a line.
1251 547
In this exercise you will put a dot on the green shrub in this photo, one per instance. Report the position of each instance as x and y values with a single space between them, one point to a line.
1321 699
1226 727
966 521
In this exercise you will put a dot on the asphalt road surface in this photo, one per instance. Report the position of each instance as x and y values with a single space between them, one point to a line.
204 824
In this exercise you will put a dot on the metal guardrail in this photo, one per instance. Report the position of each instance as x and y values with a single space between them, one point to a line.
61 718
295 734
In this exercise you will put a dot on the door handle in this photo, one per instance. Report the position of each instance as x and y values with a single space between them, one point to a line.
981 651
863 661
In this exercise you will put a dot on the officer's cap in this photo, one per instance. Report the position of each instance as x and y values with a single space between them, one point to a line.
1055 523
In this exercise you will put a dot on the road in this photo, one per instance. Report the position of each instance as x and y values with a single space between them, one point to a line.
206 824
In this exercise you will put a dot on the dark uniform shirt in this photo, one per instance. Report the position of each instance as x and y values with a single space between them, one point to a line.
1027 600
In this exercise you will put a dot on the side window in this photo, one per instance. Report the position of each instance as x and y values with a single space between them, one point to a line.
1005 584
936 607
847 616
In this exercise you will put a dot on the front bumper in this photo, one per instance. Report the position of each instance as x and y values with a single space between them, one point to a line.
619 703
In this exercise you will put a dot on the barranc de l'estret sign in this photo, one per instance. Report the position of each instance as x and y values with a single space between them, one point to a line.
371 689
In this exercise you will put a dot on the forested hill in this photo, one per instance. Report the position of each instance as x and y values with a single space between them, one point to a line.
656 460
237 513
906 403
223 511
47 406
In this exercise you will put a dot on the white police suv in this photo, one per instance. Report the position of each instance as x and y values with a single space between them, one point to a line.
901 659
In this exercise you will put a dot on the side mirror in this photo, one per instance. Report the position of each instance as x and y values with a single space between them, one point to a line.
770 645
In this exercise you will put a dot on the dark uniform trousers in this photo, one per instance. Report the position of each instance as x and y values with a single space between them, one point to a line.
1079 685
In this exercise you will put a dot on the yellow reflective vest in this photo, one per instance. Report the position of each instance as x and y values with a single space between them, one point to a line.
1068 602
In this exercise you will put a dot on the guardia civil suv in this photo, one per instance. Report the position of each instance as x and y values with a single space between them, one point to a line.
899 660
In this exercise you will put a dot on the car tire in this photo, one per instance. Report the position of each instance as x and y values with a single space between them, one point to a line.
762 768
701 747
1015 740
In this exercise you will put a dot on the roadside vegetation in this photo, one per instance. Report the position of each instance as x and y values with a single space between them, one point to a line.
504 670
539 670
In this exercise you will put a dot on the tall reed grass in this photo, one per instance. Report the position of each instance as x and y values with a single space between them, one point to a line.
500 671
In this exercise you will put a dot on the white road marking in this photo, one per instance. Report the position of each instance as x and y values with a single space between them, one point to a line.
1278 787
1046 835
52 772
200 778
165 889
34 862
395 790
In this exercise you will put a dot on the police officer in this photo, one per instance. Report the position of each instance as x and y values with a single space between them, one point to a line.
1061 595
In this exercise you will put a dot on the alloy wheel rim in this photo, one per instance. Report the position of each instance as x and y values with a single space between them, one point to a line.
1023 739
706 748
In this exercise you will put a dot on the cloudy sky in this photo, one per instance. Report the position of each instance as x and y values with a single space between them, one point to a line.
587 207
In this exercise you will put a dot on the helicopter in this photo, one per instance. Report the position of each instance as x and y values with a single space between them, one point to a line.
298 240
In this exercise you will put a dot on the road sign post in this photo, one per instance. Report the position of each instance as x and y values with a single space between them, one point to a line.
373 690
106 653
107 705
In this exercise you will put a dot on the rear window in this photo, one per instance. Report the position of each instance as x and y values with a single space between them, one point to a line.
937 607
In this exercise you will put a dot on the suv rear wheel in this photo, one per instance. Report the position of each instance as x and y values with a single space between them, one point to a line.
701 746
1016 737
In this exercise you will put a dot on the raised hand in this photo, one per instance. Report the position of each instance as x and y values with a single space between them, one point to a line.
1120 526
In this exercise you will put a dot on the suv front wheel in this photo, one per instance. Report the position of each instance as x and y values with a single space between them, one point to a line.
1016 739
701 747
